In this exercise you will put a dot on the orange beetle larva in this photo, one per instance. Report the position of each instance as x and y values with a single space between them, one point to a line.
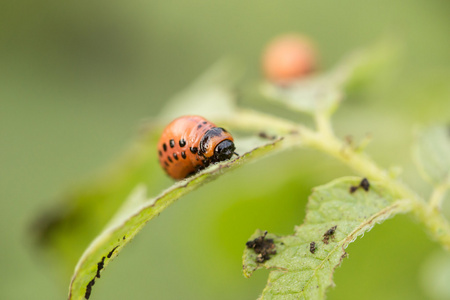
288 57
191 143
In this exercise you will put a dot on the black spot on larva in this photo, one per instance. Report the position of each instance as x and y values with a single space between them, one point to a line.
166 163
194 150
199 126
172 143
183 154
165 147
204 122
182 143
112 251
169 158
175 156
124 238
160 153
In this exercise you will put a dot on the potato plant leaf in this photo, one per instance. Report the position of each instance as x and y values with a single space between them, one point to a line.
431 154
66 230
309 95
138 210
337 213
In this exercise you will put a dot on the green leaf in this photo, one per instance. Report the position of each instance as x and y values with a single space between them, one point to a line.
312 95
138 210
296 272
67 229
431 153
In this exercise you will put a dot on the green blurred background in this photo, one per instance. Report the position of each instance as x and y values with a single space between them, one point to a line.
77 78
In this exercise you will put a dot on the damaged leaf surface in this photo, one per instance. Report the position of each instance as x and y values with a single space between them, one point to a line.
335 217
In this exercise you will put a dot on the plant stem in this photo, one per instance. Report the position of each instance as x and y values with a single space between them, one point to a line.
246 119
323 124
436 224
438 195
325 141
438 227
357 161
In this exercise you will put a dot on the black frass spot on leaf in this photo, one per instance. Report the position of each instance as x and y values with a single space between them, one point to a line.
364 184
89 289
263 247
264 135
114 249
294 271
100 267
329 234
353 189
312 247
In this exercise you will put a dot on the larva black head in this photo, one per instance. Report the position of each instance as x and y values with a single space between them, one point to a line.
209 144
223 151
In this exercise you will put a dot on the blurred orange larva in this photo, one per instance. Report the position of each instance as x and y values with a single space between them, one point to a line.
191 143
287 58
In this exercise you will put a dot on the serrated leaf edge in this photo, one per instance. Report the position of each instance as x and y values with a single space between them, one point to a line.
400 206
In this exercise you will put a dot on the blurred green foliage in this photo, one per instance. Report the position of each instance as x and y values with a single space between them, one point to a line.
77 78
